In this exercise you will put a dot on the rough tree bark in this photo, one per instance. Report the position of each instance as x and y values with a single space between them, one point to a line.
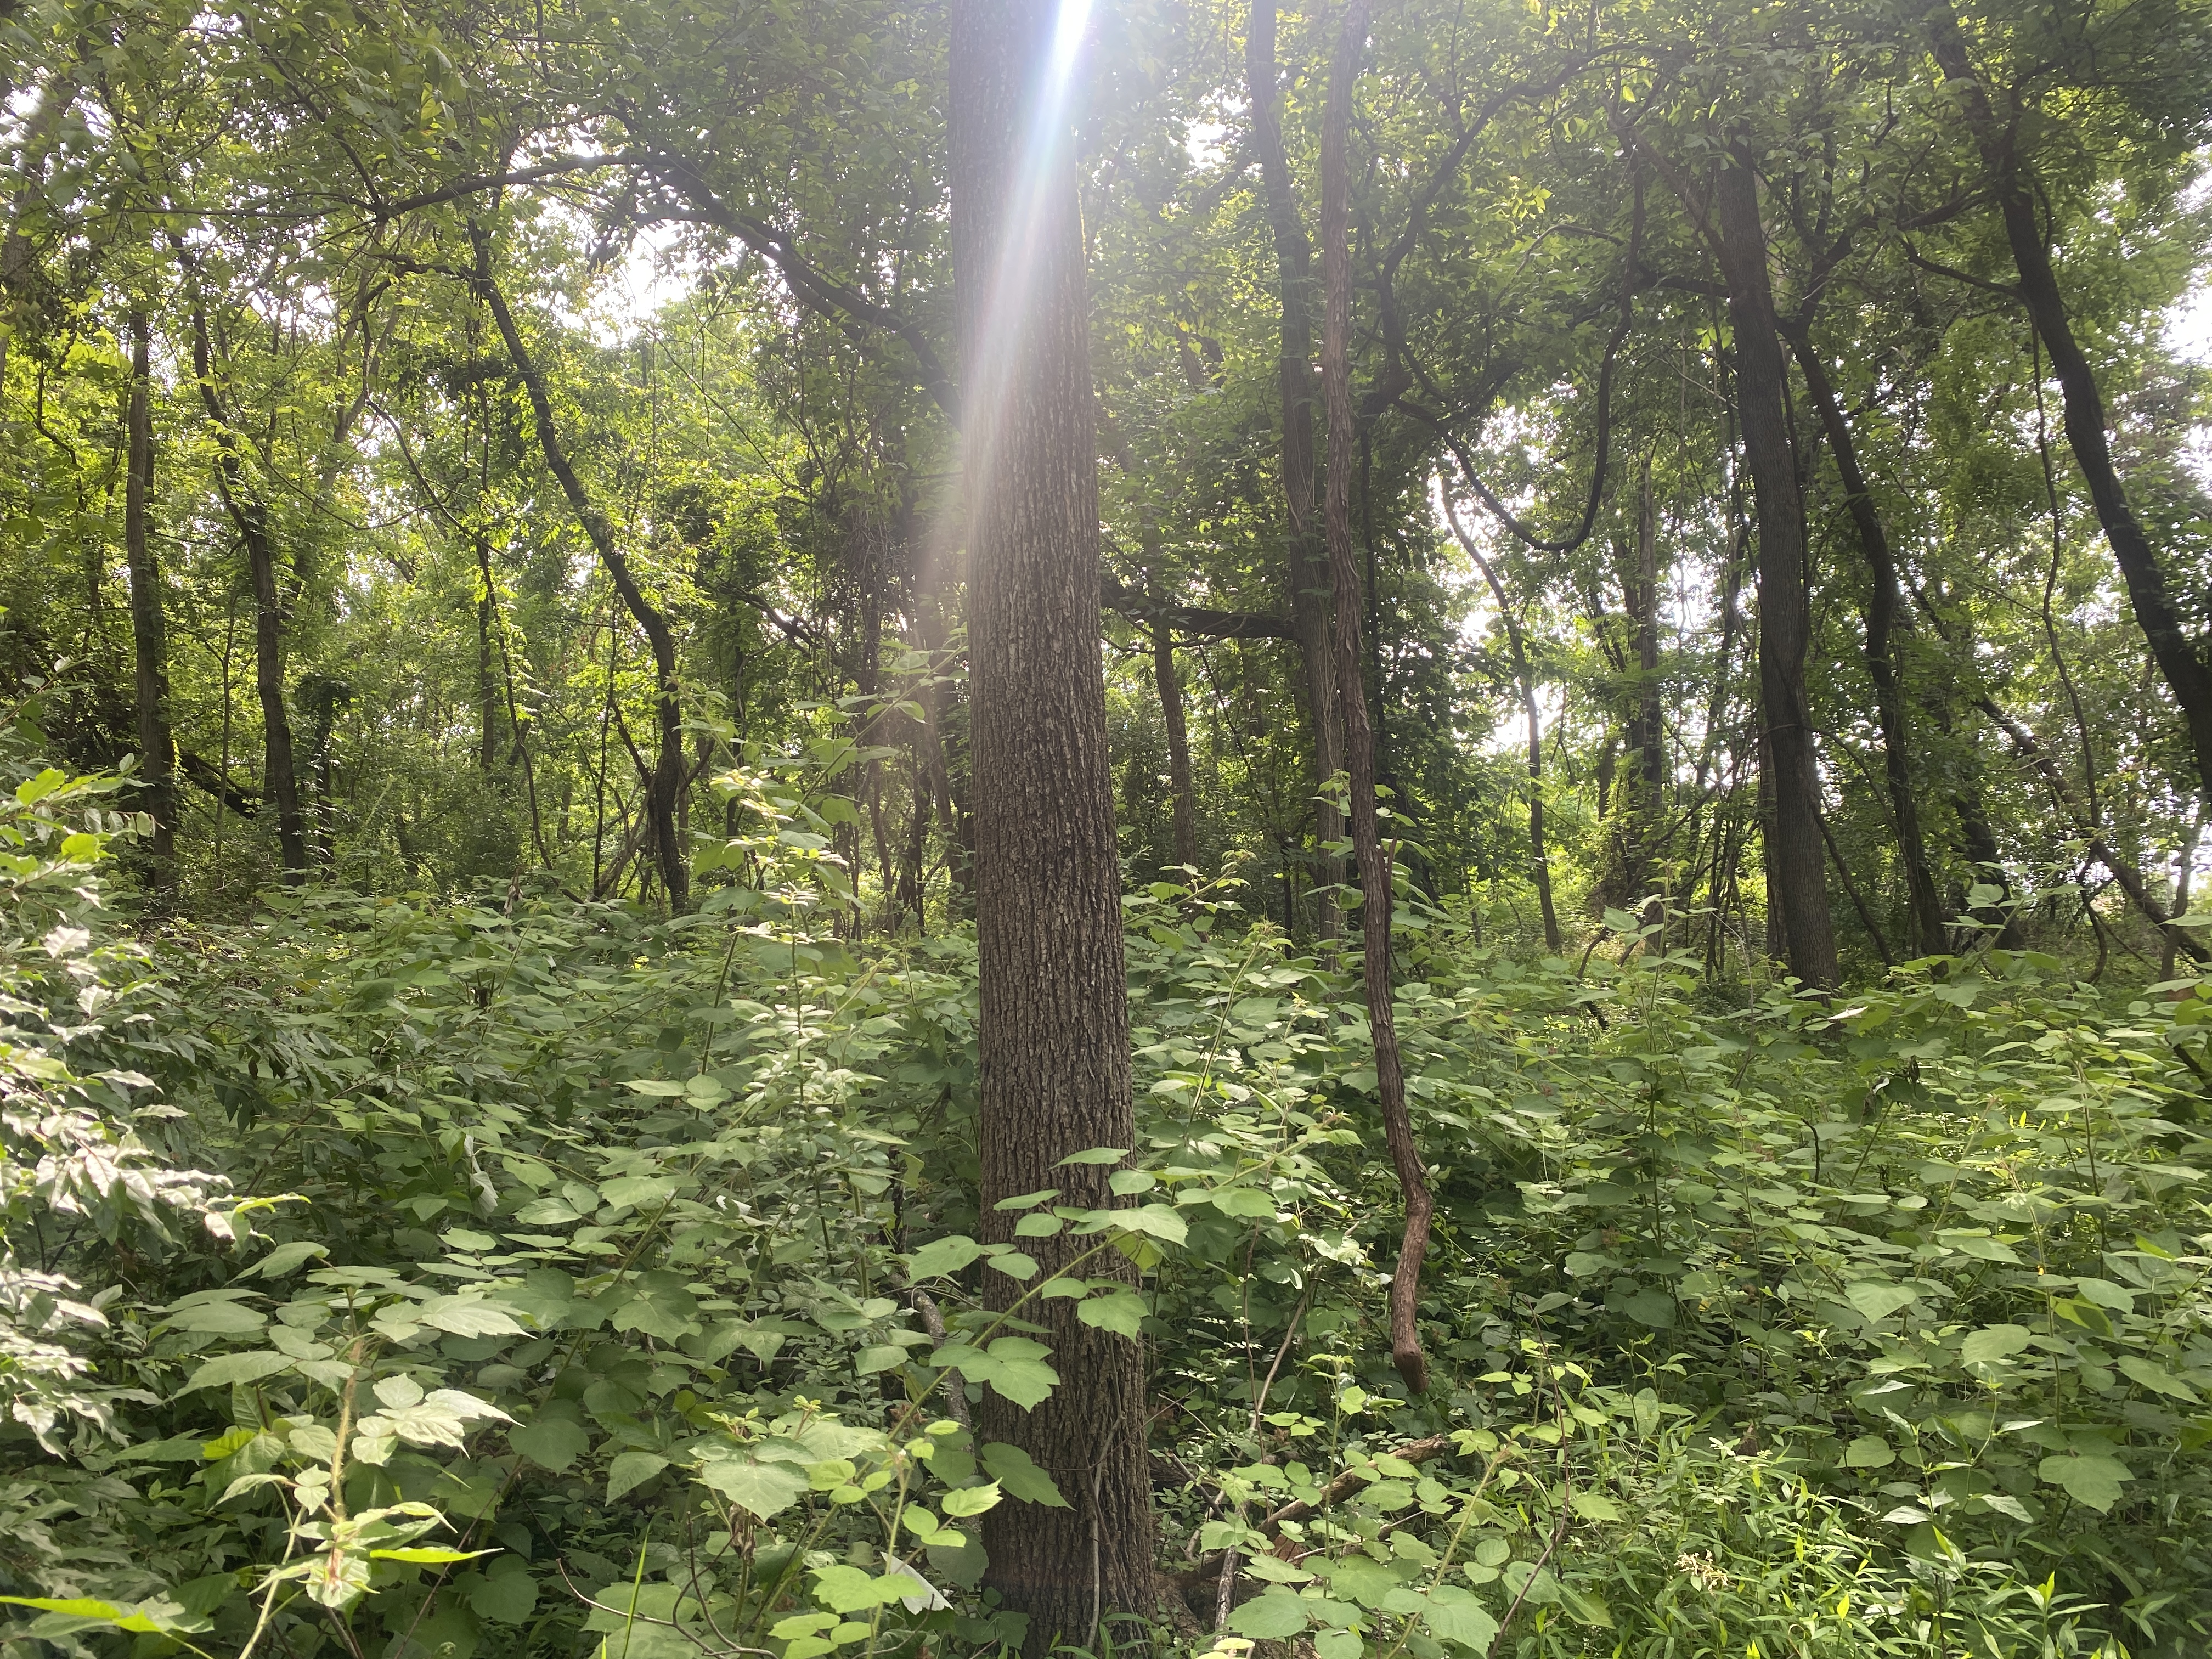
1054 1042
2180 659
665 783
1375 883
1308 557
157 750
249 516
1797 857
1931 922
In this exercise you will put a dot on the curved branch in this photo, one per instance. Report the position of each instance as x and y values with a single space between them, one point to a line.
1498 510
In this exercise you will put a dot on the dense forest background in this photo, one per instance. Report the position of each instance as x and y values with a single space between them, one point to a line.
856 827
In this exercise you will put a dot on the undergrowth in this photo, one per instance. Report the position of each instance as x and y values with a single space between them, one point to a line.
521 1277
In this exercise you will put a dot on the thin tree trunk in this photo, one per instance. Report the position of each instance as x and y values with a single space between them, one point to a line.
157 753
665 783
2179 658
1053 1033
1930 923
1374 883
1525 678
1170 686
487 691
1794 854
249 516
2085 828
1637 829
1308 561
2181 880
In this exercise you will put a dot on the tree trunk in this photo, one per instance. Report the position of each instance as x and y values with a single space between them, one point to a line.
2179 658
1795 856
1930 924
1525 678
1642 791
487 689
249 516
157 753
1053 1036
665 783
1308 557
1374 883
1169 686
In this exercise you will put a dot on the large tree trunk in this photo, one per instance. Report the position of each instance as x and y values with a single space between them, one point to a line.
157 754
249 516
1930 924
1795 855
665 783
1374 883
2179 658
1308 565
1053 1039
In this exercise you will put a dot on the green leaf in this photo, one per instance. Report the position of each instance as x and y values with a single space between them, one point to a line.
630 1470
761 1490
551 1442
941 1256
427 1555
1270 1617
638 1192
1455 1615
235 1368
2086 1478
1120 1311
1594 1506
1877 1300
217 1319
464 1316
849 1590
1159 1221
1993 1343
1868 1451
285 1259
1248 1201
1013 1468
124 1616
1651 1307
1015 1264
2155 1377
878 1357
965 1501
507 1593
1096 1155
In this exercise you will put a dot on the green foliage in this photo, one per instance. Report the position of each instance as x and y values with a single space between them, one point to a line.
590 1309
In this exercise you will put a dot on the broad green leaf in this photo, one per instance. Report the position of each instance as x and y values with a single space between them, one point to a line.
1121 1311
965 1501
551 1442
1270 1617
2088 1478
1877 1300
1993 1343
943 1256
426 1555
630 1470
2155 1377
760 1489
235 1368
1868 1451
1013 1468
